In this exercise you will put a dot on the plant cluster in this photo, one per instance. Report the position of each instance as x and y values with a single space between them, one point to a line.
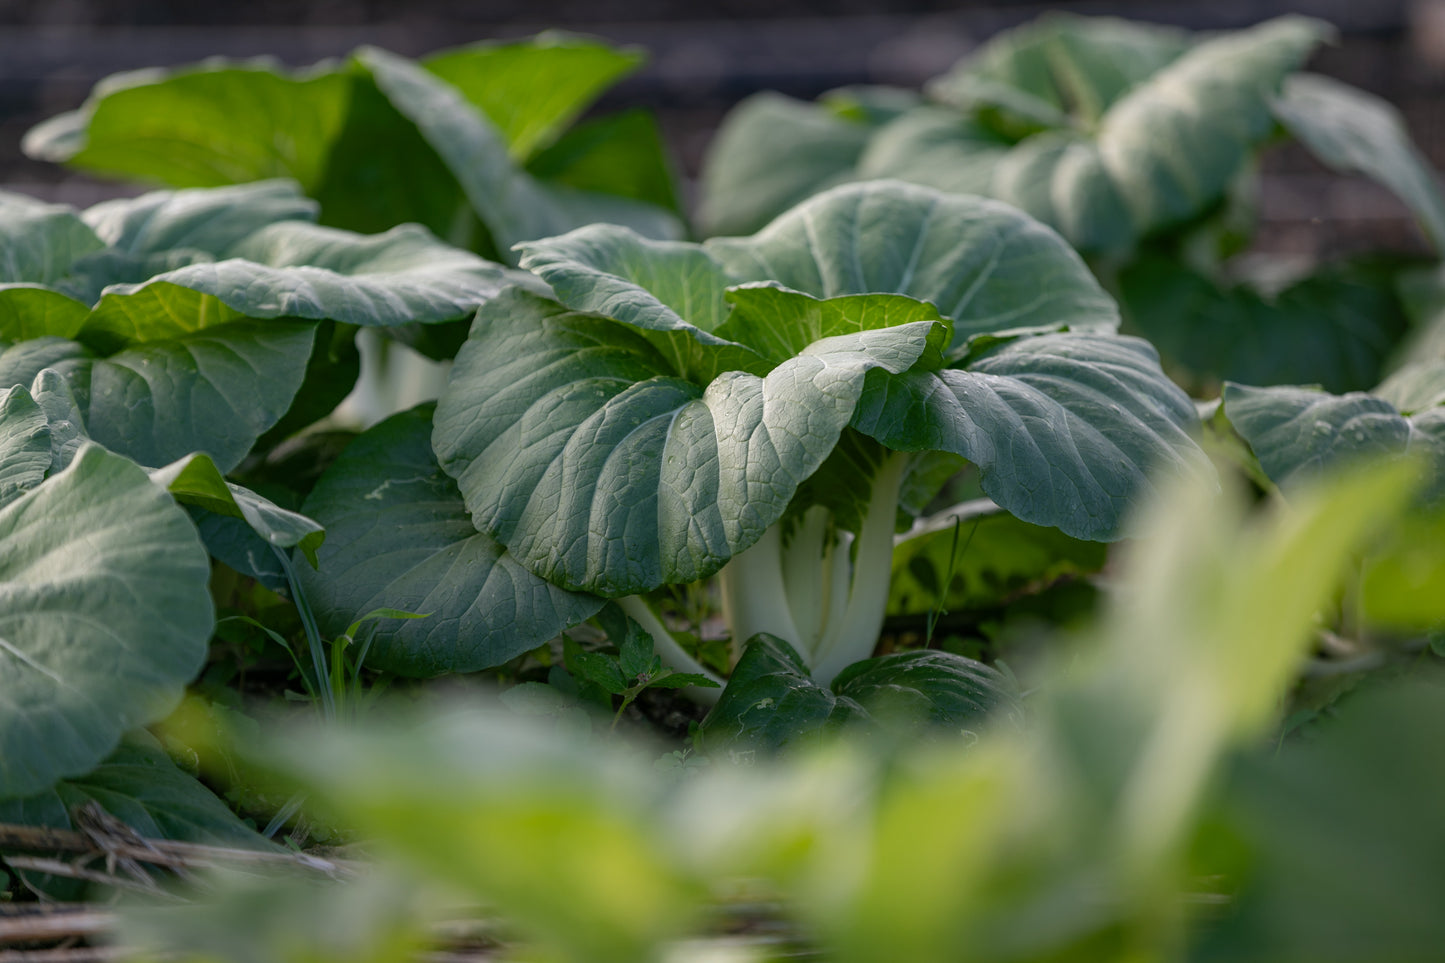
825 496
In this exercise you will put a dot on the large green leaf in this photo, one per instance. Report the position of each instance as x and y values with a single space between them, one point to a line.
656 285
1103 129
398 535
1067 430
213 391
1355 132
984 265
510 202
364 136
104 617
20 363
1299 433
619 456
204 126
578 448
228 122
937 148
770 153
300 270
533 89
779 323
30 311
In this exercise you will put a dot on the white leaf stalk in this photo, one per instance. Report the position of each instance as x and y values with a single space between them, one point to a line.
825 592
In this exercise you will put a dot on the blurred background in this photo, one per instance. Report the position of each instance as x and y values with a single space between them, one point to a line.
708 54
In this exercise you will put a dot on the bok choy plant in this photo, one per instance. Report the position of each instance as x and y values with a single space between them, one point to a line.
762 409
1141 144
146 347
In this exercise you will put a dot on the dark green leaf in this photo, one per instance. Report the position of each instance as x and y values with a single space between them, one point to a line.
595 667
104 617
398 535
38 243
1336 327
209 221
214 391
635 652
930 688
510 202
771 703
1341 841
